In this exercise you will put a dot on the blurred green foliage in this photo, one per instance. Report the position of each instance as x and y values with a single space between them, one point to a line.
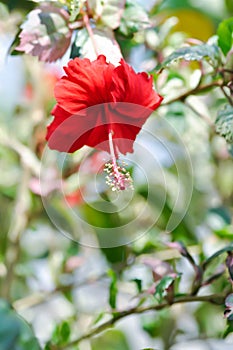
59 266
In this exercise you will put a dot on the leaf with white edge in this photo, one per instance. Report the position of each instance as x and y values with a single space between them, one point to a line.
80 39
109 12
225 35
105 42
163 285
210 53
74 9
134 19
45 33
229 300
228 312
224 123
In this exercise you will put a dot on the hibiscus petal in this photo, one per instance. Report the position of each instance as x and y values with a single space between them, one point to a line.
86 84
68 133
132 87
125 120
96 98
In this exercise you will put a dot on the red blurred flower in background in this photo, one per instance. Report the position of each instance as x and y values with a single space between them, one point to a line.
101 106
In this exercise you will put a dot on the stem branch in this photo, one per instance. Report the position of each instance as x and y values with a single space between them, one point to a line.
197 90
90 32
201 115
214 298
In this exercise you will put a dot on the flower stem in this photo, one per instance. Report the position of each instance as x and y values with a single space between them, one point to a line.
90 32
119 177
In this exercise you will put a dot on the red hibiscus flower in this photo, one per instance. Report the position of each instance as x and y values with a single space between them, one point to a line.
101 106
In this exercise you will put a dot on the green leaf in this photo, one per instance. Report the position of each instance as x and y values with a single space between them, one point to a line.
12 49
225 232
161 287
98 318
25 5
134 19
225 35
108 12
110 340
15 333
138 283
210 53
112 289
45 33
229 329
224 123
61 334
215 255
65 331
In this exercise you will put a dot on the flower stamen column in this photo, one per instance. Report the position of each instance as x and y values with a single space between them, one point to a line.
117 176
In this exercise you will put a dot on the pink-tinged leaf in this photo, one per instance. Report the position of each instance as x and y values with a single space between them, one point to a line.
228 312
109 12
45 33
159 268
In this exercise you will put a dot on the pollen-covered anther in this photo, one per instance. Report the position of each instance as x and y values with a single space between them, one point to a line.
118 178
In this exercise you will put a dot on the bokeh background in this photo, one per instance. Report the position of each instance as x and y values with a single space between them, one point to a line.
62 280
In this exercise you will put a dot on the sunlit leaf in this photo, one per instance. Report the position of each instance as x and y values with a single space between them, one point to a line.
224 123
74 9
105 43
45 33
225 35
108 12
210 53
225 232
134 18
